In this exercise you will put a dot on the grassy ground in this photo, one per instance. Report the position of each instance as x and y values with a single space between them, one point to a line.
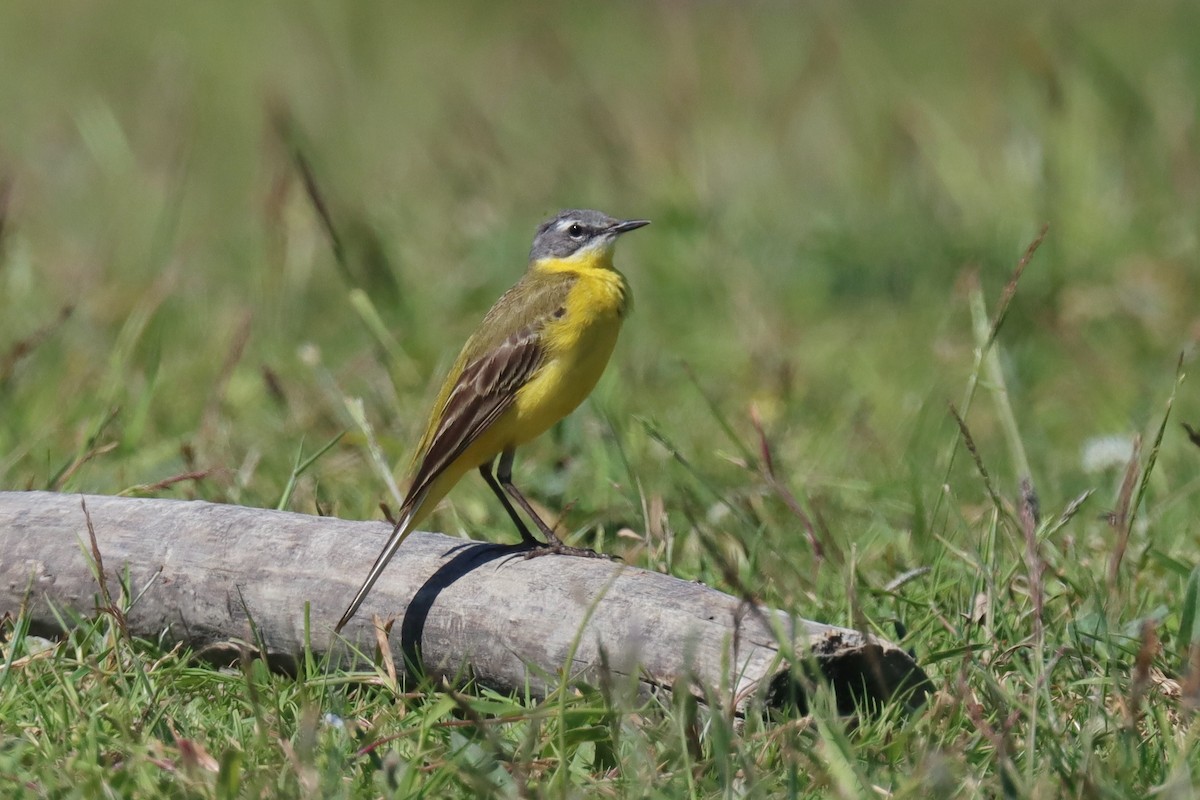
834 190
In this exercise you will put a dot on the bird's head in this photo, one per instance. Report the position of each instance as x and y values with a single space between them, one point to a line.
580 235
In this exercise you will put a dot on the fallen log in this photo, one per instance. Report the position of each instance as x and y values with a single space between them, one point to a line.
219 577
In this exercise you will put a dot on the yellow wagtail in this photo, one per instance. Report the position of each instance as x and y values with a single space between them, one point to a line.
537 354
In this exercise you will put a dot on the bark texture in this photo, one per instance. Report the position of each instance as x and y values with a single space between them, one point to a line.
221 578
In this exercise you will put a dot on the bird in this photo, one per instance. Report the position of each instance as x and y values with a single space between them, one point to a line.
533 359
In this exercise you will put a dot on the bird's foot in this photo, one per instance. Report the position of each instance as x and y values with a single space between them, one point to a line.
557 548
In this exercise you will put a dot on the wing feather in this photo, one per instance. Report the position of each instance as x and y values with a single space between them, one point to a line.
485 390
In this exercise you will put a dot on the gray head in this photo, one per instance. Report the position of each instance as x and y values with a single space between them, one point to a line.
575 232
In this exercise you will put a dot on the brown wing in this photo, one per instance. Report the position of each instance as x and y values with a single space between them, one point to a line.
484 390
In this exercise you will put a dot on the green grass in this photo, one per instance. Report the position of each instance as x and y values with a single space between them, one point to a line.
828 186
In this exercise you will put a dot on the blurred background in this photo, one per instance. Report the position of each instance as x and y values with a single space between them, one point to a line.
827 183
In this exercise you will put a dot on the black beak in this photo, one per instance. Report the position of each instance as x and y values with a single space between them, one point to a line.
629 225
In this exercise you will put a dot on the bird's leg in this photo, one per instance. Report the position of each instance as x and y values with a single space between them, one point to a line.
553 543
504 474
528 538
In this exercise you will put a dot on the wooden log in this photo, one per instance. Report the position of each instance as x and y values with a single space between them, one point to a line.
462 608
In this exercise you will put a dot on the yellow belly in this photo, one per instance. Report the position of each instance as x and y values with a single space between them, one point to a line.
564 381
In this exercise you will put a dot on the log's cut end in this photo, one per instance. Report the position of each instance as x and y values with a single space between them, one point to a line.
866 674
218 577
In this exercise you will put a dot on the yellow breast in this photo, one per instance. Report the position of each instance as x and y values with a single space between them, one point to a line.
578 344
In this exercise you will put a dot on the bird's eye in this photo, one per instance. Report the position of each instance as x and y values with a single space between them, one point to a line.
575 231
